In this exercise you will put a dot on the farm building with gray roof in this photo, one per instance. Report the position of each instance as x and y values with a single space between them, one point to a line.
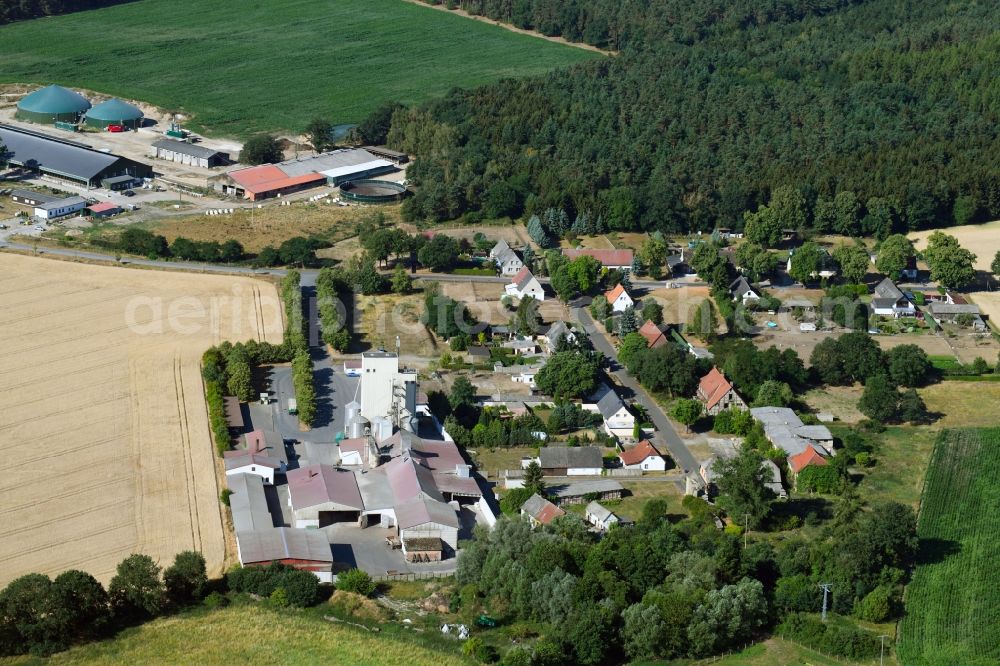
66 160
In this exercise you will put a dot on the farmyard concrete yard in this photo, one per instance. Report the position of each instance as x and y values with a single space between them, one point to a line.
104 424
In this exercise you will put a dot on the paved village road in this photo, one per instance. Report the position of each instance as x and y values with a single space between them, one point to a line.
665 433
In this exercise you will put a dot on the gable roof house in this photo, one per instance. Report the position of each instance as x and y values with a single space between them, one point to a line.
809 456
741 290
610 259
618 420
889 301
244 461
704 482
570 461
655 334
618 299
540 511
643 456
525 284
716 393
601 517
506 260
556 331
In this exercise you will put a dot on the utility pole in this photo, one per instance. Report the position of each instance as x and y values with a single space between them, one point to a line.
826 590
881 654
746 529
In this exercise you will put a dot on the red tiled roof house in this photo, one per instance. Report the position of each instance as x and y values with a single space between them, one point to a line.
716 393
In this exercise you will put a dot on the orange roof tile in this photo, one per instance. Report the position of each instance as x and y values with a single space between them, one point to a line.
638 453
810 456
268 177
613 295
713 387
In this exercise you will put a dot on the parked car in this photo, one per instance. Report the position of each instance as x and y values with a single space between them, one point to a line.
39 227
116 128
128 193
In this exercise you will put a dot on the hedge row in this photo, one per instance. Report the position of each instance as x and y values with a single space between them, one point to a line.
837 639
296 343
335 330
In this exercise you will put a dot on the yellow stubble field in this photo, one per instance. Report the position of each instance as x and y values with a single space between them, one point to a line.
103 420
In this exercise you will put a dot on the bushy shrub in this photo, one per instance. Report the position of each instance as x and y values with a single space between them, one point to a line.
357 581
839 639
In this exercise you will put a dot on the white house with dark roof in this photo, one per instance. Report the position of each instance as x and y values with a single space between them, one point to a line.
601 517
525 284
244 461
889 301
506 260
618 420
741 290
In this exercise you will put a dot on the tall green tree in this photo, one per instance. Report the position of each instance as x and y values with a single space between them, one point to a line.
136 591
951 265
261 149
893 255
320 135
186 579
743 492
568 375
853 261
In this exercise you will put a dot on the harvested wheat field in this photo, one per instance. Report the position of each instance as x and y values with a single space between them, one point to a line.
104 425
981 239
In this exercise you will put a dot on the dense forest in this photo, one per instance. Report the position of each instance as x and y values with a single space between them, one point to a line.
19 10
711 105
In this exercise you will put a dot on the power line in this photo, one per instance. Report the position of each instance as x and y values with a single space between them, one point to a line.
826 591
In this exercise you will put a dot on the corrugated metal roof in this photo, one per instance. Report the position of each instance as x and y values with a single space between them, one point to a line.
336 159
268 177
185 148
570 456
423 511
316 485
283 543
248 502
52 154
62 203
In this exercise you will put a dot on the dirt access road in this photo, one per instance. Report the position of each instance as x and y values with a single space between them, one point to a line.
104 424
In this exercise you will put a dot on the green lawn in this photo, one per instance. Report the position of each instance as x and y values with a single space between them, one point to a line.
251 634
951 604
242 67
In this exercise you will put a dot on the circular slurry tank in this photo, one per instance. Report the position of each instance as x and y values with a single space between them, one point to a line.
372 191
52 104
114 112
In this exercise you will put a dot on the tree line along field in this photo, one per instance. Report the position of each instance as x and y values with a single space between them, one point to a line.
952 608
240 69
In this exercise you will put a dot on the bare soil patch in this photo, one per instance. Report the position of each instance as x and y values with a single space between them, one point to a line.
104 422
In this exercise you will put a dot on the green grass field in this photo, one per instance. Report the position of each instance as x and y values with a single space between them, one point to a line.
250 634
240 68
951 604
